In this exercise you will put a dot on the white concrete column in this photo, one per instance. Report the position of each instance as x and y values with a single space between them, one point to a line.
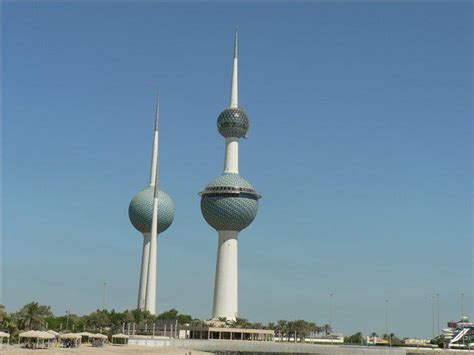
231 162
150 303
154 158
144 271
226 282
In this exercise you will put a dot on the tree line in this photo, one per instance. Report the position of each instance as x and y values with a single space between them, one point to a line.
34 316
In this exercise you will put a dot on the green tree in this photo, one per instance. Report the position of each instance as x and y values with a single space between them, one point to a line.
172 314
354 338
327 328
240 323
282 328
33 316
98 319
7 322
184 319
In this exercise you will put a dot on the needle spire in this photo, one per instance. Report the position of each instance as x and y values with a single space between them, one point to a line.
234 91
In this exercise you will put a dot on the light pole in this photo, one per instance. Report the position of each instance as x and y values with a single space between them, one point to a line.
103 295
330 310
67 320
437 306
386 317
330 316
433 306
462 305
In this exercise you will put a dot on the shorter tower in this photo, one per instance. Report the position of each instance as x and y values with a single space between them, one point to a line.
229 203
141 213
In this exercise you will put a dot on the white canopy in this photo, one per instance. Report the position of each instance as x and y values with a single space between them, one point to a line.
46 335
4 335
70 336
36 334
86 334
120 336
56 334
98 336
30 334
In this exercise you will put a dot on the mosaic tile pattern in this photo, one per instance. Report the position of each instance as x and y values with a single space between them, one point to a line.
229 211
140 210
233 122
230 180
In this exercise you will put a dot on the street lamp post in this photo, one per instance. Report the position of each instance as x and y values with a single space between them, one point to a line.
433 309
330 310
103 296
67 320
462 305
437 306
330 317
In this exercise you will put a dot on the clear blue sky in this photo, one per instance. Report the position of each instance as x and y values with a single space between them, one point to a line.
361 144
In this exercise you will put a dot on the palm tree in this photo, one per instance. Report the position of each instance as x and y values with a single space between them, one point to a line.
327 328
33 315
271 326
7 322
281 327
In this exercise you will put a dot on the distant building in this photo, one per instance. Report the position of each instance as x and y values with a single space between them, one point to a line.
460 335
376 341
416 342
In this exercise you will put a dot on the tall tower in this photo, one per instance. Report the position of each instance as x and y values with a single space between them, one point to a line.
151 212
229 203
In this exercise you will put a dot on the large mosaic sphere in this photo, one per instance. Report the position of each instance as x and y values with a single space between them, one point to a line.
233 122
229 202
140 210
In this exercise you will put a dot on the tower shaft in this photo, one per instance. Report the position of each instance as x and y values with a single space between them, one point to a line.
150 302
226 288
229 203
231 162
150 249
226 294
144 272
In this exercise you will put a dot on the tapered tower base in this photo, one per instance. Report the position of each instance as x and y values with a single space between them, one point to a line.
144 272
226 294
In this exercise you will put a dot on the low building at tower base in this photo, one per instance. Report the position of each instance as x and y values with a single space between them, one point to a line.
224 333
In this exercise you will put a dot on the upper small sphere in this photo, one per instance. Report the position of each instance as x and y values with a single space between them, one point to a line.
233 122
140 210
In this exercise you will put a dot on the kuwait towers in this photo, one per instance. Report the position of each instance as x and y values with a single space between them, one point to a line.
151 212
229 203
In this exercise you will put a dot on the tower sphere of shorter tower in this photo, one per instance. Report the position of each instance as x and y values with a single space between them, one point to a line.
229 202
233 122
140 210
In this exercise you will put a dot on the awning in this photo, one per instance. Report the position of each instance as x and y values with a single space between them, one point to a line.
98 336
70 336
120 336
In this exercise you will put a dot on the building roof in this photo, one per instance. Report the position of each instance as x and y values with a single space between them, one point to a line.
229 330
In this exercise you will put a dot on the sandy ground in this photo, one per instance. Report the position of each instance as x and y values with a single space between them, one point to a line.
108 349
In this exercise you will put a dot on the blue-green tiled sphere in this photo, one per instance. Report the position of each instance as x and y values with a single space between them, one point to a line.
229 202
140 210
233 122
